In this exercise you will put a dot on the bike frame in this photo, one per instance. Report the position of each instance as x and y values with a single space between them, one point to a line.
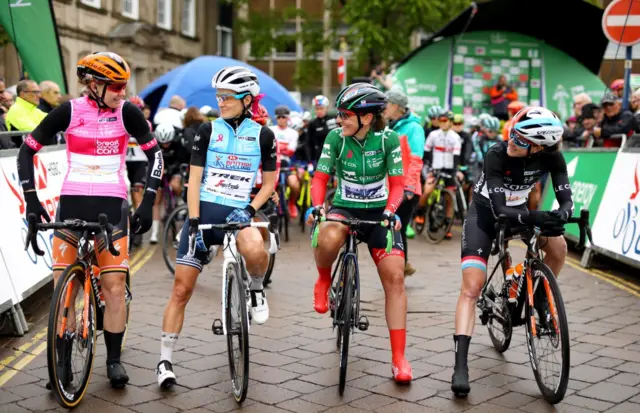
350 249
231 256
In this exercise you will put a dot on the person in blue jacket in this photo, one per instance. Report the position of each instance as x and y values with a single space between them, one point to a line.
407 125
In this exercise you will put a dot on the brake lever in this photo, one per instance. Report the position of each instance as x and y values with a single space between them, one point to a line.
106 230
31 235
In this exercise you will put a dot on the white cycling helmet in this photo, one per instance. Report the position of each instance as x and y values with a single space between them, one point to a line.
205 109
165 133
295 122
306 116
538 125
237 78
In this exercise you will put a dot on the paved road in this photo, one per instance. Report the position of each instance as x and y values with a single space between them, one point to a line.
293 357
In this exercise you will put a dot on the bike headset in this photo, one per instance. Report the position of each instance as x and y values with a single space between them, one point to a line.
361 99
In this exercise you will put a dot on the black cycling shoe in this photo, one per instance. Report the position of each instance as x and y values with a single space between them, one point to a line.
117 375
460 380
64 347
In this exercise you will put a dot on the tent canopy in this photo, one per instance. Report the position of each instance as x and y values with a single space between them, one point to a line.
192 81
545 20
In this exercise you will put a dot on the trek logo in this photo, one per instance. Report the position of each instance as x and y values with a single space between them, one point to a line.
108 147
104 120
230 176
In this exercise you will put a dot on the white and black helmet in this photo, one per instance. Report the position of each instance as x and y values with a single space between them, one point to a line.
165 133
237 78
538 125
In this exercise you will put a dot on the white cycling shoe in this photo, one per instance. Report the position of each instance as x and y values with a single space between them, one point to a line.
259 307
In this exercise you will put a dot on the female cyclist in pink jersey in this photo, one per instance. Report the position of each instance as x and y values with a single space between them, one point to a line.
97 128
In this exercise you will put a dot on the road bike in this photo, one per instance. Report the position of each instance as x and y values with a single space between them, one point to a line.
344 294
503 305
236 303
77 307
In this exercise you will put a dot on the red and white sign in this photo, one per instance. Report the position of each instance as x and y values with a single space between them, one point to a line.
341 70
621 22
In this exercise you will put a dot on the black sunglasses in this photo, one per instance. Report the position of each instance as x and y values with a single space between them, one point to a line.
281 117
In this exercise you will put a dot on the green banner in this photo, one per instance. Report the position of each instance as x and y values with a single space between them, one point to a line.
31 26
458 72
588 174
426 79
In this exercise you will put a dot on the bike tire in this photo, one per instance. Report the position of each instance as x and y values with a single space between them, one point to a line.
127 309
66 398
235 283
347 320
556 395
169 233
262 217
436 237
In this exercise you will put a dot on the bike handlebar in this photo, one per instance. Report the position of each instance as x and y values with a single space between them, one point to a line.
582 221
102 226
237 226
351 223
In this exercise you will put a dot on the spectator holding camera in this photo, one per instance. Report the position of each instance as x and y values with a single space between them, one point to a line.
501 95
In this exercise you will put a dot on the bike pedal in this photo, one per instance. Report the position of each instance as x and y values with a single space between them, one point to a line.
363 323
217 327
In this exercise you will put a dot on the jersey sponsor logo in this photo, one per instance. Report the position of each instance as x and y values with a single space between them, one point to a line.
247 138
397 157
376 191
349 164
157 166
372 153
220 138
374 162
232 177
107 147
324 168
349 175
526 173
564 187
232 158
229 185
513 187
395 172
349 154
238 165
111 119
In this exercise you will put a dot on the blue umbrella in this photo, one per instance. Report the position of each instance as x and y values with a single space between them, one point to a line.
192 82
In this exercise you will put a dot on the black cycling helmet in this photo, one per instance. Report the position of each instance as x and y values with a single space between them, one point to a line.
282 110
361 98
446 114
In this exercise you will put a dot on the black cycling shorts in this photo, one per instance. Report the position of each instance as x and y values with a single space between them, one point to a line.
478 233
137 173
374 235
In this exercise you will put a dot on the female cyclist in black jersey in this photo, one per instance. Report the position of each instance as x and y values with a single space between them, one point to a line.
510 170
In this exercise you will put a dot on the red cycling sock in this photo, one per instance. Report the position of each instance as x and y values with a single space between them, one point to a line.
398 342
324 275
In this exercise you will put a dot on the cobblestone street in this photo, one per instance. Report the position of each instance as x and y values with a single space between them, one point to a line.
294 363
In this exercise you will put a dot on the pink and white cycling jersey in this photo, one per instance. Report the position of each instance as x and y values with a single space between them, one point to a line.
96 148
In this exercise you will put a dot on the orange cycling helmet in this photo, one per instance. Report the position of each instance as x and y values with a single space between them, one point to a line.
104 67
515 106
261 116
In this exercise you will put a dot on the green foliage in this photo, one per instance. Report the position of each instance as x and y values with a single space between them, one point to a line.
380 30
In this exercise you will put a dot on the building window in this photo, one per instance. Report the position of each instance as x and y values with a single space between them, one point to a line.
92 3
164 14
286 42
130 9
189 18
225 41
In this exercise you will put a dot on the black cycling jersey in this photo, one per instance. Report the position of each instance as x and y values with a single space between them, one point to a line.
317 132
506 181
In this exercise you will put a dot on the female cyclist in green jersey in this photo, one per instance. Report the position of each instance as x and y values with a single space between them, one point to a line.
364 157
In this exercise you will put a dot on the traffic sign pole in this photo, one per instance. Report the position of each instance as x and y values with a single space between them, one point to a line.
627 78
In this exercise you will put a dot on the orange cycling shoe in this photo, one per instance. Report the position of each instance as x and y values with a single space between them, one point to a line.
419 219
401 370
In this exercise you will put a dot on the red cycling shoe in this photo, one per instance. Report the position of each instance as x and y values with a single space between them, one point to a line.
401 370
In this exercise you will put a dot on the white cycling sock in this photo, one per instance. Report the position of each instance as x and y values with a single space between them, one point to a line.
256 283
155 225
167 343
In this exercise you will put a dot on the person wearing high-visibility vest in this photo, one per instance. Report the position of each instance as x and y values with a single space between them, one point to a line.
513 108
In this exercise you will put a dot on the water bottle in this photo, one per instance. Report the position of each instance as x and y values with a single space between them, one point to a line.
514 290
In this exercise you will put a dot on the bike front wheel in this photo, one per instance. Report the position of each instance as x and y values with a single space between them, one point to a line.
548 334
237 322
436 218
71 335
346 319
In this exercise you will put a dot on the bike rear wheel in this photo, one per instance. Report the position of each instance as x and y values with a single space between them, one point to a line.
346 320
71 326
435 217
237 322
550 332
172 228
